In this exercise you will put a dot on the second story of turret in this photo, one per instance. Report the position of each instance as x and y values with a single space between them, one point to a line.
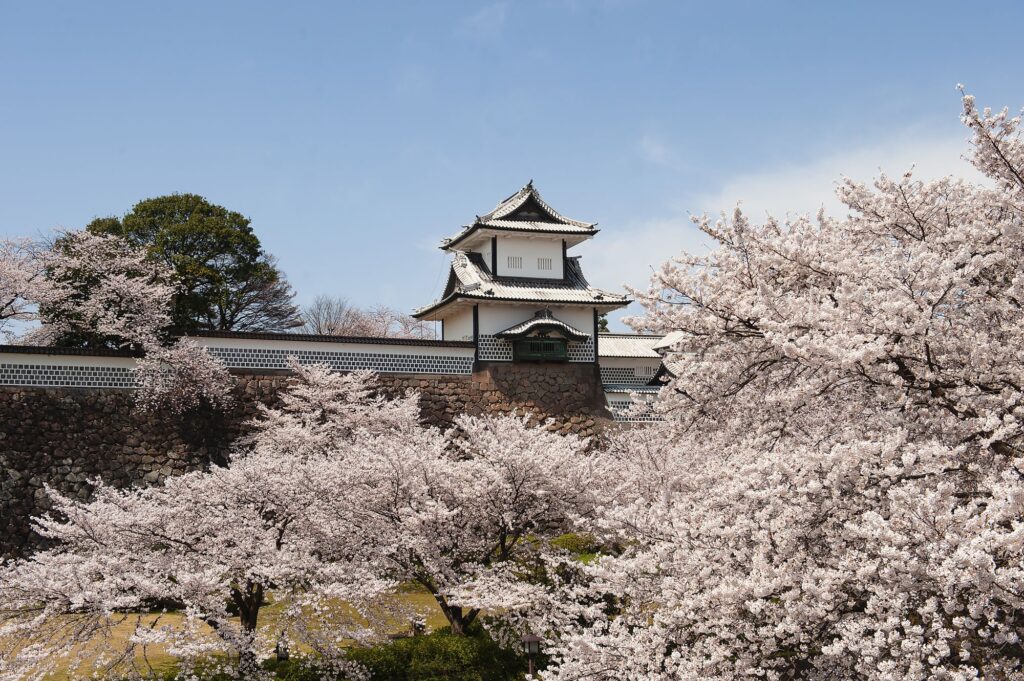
523 237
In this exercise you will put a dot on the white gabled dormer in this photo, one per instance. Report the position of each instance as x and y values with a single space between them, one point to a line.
522 237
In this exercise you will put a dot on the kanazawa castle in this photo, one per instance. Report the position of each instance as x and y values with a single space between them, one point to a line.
515 290
515 295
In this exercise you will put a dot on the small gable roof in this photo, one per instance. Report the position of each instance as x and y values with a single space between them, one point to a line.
543 321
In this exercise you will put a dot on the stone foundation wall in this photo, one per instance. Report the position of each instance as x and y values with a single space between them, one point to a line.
65 437
570 394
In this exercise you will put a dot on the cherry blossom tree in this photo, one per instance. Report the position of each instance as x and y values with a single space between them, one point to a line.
441 509
22 284
101 290
836 491
446 510
104 291
213 545
324 411
180 378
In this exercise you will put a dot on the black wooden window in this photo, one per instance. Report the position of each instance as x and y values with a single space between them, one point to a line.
543 349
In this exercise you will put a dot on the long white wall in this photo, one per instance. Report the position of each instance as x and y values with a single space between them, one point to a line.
75 369
262 353
71 370
54 368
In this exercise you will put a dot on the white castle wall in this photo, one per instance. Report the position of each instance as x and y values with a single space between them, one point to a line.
67 370
485 252
62 367
52 367
382 356
628 370
495 318
529 250
459 326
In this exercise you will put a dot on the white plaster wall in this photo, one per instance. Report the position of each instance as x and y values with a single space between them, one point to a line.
316 346
529 250
485 251
495 318
459 326
580 317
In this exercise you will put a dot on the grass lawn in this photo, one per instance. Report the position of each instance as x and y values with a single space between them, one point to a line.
394 616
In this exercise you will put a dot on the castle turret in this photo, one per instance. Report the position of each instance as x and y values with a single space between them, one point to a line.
515 291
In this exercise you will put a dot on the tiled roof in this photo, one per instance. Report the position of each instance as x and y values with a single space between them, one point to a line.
532 226
674 366
58 350
668 342
543 319
509 206
470 279
627 345
629 388
503 218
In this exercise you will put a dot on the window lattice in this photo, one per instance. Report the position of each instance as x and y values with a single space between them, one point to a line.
543 263
515 262
492 349
581 352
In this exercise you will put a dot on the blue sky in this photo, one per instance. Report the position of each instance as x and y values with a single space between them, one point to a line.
357 135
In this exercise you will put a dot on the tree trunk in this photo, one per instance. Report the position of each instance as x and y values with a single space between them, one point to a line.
249 603
459 618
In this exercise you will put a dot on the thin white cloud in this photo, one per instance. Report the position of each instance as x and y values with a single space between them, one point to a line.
655 150
486 23
628 253
804 188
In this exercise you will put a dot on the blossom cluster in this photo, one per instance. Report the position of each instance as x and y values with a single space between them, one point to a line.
103 288
837 488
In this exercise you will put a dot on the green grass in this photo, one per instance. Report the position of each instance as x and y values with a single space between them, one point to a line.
408 599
